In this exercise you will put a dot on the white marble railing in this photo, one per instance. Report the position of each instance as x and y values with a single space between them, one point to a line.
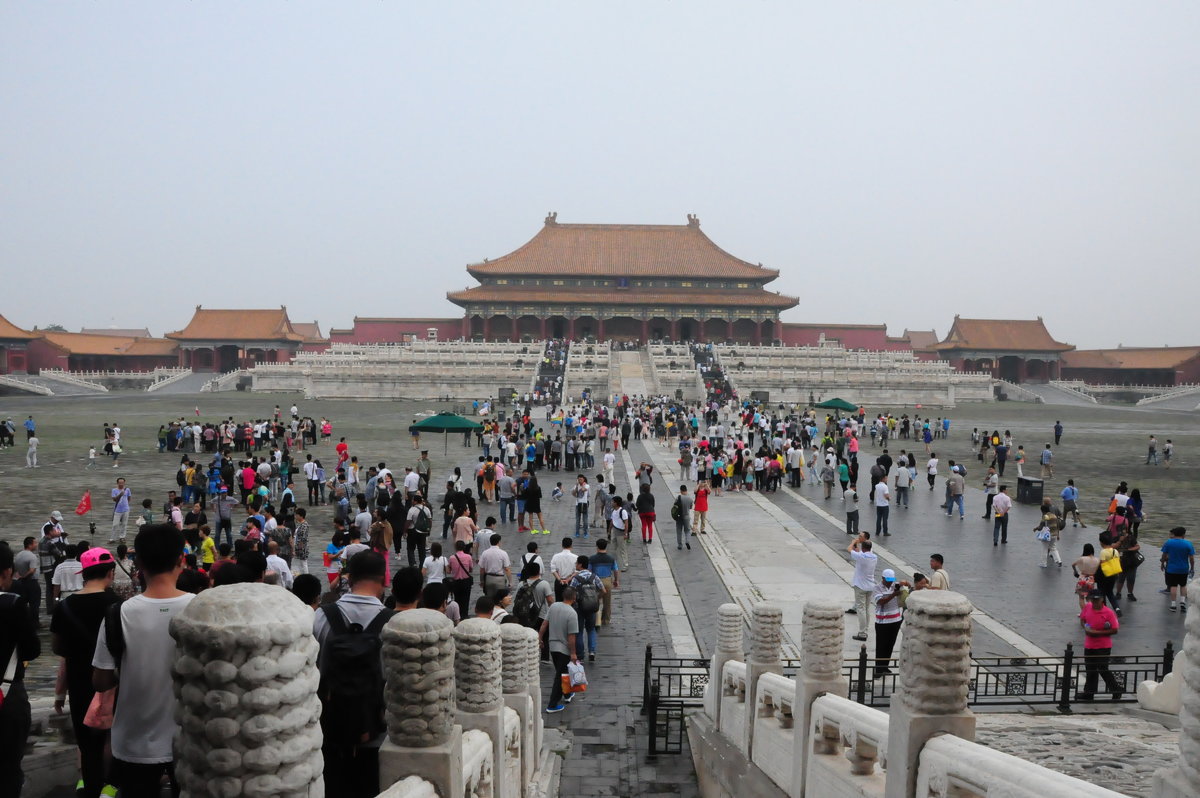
951 766
411 787
1015 391
841 726
224 382
173 378
25 384
71 378
1181 390
1074 390
477 764
806 739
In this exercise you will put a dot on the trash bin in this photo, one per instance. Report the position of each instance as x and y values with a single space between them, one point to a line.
1029 490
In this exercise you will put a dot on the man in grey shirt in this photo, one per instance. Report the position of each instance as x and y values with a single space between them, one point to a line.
506 491
683 524
559 629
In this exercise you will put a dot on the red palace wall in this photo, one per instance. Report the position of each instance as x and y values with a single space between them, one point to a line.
390 331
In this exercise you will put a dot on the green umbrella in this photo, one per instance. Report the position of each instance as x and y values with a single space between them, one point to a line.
837 404
445 422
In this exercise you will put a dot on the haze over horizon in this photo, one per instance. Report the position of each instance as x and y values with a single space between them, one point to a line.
898 164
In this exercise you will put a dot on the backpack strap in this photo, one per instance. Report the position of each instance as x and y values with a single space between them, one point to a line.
337 621
380 621
114 632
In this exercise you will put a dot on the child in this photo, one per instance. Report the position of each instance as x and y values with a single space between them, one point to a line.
557 493
91 457
208 549
333 558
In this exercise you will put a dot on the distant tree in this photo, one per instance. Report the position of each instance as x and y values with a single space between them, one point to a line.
54 328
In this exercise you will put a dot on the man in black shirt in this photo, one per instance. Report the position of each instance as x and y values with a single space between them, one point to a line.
18 644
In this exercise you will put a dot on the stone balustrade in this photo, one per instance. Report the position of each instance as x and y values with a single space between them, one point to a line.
246 678
807 739
951 766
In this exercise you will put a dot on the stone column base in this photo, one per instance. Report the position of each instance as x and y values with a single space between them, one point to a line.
440 765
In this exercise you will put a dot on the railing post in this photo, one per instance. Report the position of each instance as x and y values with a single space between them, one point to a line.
653 710
646 680
1068 680
1168 658
861 681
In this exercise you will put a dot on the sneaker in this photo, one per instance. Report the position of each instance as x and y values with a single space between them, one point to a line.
585 534
689 546
1043 565
568 698
860 636
1117 610
1172 606
109 791
852 611
558 708
577 535
592 657
1131 597
1182 607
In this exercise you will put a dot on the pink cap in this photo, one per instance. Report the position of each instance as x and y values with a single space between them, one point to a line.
96 556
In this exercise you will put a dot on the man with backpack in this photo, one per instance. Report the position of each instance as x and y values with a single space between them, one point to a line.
588 592
534 597
52 550
351 688
420 521
144 724
604 566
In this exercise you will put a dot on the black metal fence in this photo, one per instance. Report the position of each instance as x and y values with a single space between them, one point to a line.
672 685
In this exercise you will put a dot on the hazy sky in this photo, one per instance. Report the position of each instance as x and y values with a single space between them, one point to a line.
897 162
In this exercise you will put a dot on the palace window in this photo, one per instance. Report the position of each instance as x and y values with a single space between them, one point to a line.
502 282
743 285
622 282
685 284
559 282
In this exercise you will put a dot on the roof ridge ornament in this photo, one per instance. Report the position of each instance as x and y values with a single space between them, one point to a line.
552 219
693 220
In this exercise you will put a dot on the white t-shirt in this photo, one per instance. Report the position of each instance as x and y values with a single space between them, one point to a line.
280 566
931 466
68 577
881 494
864 569
619 517
144 724
435 569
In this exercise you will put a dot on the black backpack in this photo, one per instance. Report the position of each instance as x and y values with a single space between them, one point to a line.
351 689
525 606
587 595
677 510
424 521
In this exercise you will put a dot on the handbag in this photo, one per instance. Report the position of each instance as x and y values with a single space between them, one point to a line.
1111 566
1043 534
100 712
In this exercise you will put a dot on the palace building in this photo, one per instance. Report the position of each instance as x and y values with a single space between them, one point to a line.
625 282
1020 350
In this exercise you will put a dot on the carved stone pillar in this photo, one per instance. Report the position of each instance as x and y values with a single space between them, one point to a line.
246 676
729 329
645 331
479 689
419 686
516 644
1183 780
729 647
822 632
543 323
765 645
931 693
600 329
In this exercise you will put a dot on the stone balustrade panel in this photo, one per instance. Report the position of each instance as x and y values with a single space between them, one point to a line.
774 730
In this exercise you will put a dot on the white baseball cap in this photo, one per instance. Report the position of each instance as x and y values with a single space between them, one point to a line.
888 575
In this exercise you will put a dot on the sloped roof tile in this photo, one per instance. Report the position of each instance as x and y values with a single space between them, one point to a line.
623 250
124 345
13 332
1133 358
1001 335
238 325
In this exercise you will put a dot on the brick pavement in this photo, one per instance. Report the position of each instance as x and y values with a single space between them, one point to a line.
608 756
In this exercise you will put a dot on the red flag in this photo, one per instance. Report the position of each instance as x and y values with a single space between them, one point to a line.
85 504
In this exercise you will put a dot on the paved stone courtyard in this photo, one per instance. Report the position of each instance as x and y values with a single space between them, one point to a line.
1101 447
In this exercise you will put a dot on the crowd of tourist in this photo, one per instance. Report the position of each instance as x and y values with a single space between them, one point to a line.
236 514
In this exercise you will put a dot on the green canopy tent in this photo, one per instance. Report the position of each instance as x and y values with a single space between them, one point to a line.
837 404
445 423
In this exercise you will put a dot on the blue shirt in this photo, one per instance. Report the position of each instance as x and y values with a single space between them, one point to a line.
1070 493
1178 551
603 565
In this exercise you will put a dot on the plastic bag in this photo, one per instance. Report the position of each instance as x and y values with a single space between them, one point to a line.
577 677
